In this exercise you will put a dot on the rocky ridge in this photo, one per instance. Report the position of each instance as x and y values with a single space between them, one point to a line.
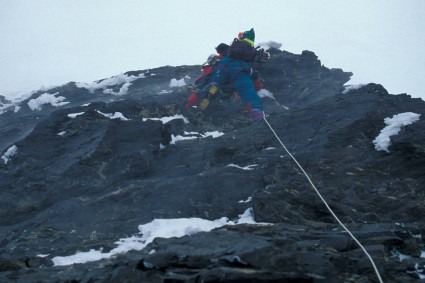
92 162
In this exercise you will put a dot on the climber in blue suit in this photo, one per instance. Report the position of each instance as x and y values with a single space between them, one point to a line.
235 68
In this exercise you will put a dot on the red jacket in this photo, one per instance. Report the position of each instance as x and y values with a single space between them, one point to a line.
202 80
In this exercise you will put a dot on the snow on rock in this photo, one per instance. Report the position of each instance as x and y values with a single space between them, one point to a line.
11 151
177 138
122 79
249 199
247 168
394 124
73 115
177 83
214 134
348 88
168 118
162 228
266 93
194 135
46 98
13 103
270 44
123 90
187 135
116 115
4 107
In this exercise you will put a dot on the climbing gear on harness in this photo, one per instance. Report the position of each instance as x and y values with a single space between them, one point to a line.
326 204
212 90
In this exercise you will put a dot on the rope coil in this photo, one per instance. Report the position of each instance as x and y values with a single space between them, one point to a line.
326 204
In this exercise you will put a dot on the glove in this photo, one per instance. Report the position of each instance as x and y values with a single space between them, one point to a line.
192 100
256 115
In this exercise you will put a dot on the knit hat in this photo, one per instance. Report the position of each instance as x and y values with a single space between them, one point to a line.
250 34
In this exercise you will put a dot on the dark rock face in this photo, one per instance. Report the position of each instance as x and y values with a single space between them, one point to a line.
82 183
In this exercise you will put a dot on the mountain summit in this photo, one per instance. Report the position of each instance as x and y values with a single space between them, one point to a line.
116 181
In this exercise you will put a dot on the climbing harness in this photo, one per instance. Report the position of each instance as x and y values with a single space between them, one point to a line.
324 201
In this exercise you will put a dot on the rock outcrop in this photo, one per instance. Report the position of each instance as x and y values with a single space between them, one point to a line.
91 162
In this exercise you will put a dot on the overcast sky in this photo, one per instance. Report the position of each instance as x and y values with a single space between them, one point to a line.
52 42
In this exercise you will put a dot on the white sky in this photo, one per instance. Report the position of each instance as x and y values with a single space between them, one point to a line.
51 42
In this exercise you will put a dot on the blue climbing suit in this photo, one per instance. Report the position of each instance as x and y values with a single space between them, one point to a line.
238 72
235 69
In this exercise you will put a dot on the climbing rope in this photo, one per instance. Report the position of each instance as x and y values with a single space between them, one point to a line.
324 201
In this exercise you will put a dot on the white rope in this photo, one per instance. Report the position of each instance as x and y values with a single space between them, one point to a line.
326 204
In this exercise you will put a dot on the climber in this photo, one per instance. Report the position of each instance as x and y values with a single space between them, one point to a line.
226 90
235 68
203 79
222 50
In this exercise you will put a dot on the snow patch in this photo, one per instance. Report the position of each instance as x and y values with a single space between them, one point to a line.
418 270
122 79
177 83
168 118
163 228
178 138
13 100
248 218
394 124
246 201
270 44
123 90
266 93
116 115
42 255
46 98
248 168
214 134
348 88
11 151
194 135
73 115
5 106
